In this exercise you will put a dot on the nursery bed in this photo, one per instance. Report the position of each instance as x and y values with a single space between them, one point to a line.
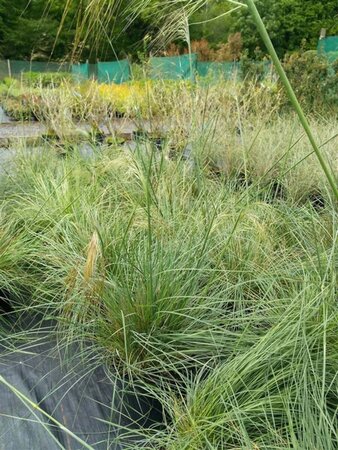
10 131
85 399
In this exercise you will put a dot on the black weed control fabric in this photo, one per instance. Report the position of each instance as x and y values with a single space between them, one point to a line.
97 408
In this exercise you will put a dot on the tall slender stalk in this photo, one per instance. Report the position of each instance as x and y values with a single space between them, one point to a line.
192 73
291 93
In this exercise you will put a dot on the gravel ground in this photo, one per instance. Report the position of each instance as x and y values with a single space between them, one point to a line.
21 130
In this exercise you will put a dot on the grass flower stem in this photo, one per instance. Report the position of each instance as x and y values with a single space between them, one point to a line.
291 93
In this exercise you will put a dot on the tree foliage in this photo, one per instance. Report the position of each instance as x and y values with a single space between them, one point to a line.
30 28
41 30
290 23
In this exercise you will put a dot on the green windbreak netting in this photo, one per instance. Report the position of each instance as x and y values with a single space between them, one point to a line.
3 69
174 67
329 48
226 70
114 72
16 68
92 71
80 72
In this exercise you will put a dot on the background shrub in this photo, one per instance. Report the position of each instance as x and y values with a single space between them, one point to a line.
48 79
313 78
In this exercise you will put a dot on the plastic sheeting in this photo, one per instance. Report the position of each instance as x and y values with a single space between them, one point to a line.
113 72
99 409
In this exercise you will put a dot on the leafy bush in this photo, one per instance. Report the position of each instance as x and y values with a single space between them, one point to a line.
9 82
331 84
48 79
129 98
254 70
230 51
8 85
19 107
314 80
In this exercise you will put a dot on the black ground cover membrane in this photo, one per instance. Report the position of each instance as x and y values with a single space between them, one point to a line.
77 392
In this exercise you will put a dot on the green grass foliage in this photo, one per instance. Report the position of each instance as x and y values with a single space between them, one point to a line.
214 293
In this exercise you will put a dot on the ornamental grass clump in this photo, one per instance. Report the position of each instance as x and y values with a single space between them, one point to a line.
215 300
204 273
150 258
279 393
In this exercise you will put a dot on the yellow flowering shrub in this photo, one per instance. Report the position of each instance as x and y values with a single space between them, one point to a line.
135 98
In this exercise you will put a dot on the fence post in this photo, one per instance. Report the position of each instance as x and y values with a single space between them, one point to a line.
9 68
96 76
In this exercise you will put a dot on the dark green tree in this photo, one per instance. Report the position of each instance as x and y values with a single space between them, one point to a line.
290 23
9 17
29 29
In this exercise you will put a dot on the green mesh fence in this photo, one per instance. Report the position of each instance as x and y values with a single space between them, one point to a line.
114 72
179 67
105 72
226 70
92 71
3 70
183 67
174 67
80 72
16 68
268 68
329 48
